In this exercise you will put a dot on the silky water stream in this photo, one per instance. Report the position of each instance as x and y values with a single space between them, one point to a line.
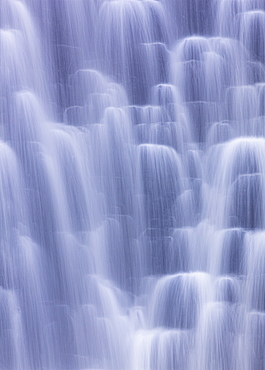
132 184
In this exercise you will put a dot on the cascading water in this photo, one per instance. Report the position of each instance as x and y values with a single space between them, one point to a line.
132 184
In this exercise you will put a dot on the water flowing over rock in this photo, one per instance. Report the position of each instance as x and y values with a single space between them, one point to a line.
132 184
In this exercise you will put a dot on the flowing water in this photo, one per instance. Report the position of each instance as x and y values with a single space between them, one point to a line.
132 184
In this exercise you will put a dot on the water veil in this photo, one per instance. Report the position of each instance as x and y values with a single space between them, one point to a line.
132 185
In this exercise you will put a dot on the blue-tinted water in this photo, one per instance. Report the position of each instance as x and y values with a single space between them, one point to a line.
132 184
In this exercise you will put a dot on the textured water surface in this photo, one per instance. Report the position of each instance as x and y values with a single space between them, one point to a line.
132 184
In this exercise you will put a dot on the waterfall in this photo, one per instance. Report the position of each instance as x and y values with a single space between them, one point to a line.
132 184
